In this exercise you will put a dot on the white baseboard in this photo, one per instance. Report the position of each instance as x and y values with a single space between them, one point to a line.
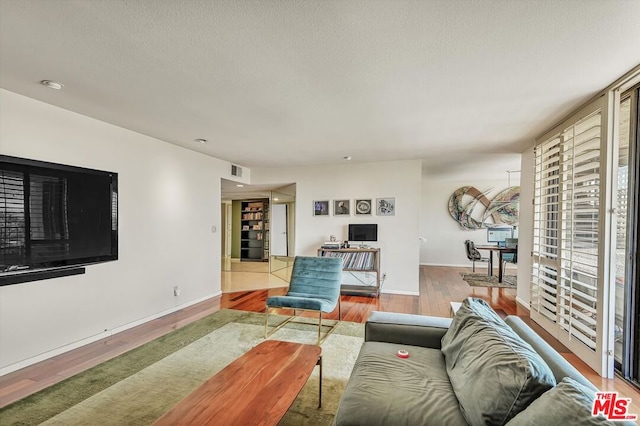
453 265
402 292
523 303
74 345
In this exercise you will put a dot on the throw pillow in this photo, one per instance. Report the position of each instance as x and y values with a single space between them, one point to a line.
494 373
569 403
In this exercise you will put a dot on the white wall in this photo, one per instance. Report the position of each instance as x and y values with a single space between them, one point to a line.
397 235
443 237
525 238
169 199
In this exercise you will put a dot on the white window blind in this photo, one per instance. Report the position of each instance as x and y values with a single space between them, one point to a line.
566 235
580 177
546 228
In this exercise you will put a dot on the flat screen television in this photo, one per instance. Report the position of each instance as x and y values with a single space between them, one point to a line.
54 215
363 232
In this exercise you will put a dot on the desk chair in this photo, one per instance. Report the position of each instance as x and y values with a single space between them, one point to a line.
315 286
510 257
474 255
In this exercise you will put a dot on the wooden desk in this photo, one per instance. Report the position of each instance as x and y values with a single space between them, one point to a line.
501 251
256 389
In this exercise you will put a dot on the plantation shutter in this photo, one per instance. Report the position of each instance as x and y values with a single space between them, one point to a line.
580 170
544 289
567 284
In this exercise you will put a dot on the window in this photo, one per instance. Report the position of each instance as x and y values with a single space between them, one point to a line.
567 242
585 287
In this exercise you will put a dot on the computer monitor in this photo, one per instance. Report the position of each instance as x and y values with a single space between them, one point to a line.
363 232
498 234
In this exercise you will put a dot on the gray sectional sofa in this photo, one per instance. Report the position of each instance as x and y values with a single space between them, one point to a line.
474 369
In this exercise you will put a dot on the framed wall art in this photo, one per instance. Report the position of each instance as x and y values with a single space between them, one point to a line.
341 207
386 206
321 208
363 206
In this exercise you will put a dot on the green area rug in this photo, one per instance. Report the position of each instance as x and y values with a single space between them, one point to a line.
483 280
136 388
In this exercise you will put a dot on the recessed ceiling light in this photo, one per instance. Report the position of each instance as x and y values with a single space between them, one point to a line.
275 199
240 185
52 84
200 140
347 157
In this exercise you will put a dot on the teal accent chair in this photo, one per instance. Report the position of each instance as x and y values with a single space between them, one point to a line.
314 286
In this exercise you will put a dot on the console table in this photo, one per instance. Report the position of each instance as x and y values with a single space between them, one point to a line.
256 389
357 260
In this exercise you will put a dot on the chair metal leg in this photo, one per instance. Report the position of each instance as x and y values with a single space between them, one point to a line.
339 309
278 327
320 382
320 339
473 265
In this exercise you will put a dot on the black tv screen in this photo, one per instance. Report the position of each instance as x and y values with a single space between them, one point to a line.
363 232
56 215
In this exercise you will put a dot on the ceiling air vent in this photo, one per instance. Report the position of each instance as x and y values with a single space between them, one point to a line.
236 171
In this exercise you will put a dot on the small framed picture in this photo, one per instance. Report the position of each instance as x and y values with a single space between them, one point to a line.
363 206
386 206
341 207
321 208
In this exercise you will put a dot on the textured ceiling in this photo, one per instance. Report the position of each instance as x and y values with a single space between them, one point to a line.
272 83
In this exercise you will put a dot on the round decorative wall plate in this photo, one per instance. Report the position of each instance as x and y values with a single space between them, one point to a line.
363 207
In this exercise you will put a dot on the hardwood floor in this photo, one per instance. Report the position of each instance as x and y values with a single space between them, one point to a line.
438 287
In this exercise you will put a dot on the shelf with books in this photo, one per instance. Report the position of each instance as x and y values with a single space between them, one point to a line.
254 230
358 260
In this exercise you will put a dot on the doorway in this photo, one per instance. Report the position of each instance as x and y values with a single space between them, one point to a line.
282 231
279 243
242 276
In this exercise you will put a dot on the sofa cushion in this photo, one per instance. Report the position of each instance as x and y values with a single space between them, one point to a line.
387 390
494 373
569 403
557 363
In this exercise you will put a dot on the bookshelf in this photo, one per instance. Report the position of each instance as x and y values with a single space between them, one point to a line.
254 231
358 260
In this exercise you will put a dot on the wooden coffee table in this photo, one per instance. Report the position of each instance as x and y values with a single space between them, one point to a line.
257 389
